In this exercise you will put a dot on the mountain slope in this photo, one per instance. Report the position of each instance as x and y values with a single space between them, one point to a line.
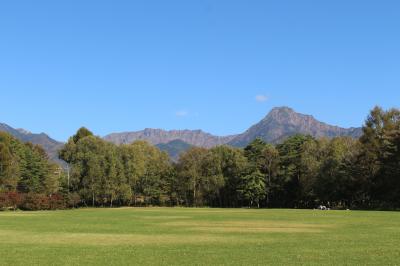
50 145
158 136
283 122
174 148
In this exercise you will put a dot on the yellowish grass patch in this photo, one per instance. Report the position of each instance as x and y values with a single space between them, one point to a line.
21 214
258 230
250 226
164 217
98 239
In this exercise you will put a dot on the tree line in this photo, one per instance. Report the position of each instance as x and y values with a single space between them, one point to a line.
301 172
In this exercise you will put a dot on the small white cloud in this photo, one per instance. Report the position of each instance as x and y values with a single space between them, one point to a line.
182 113
261 98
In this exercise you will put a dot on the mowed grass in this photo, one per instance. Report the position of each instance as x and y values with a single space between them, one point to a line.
180 236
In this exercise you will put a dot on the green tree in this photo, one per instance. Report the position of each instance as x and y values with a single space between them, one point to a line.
313 154
150 167
133 162
9 167
269 166
290 152
200 176
232 164
335 184
252 187
379 156
254 152
86 155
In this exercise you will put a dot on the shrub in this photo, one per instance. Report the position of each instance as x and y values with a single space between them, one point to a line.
57 202
10 200
73 200
35 202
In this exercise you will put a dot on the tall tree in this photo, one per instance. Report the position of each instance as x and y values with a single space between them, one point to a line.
290 152
9 167
232 164
200 176
269 166
379 154
334 184
252 187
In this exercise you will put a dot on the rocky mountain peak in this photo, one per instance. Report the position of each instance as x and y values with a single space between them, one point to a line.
286 115
283 122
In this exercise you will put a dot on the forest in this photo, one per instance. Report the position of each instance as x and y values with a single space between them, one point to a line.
301 172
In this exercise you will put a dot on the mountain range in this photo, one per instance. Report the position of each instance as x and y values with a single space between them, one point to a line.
279 124
157 136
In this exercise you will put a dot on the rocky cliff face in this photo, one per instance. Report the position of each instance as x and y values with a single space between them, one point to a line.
158 136
283 122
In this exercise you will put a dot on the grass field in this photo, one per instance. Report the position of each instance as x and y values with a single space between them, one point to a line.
154 236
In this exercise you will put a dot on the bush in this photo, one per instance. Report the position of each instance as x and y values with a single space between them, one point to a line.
35 202
73 200
10 200
57 202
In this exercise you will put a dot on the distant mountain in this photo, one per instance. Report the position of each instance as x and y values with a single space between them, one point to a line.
174 148
158 136
283 122
50 145
279 124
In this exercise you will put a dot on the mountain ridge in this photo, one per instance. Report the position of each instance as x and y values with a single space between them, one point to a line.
161 136
279 124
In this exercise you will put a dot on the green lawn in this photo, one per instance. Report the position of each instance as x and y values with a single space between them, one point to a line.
154 236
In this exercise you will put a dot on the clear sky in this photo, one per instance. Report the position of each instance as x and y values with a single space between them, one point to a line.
211 64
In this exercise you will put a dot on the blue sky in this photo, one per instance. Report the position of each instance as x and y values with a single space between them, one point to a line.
216 65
